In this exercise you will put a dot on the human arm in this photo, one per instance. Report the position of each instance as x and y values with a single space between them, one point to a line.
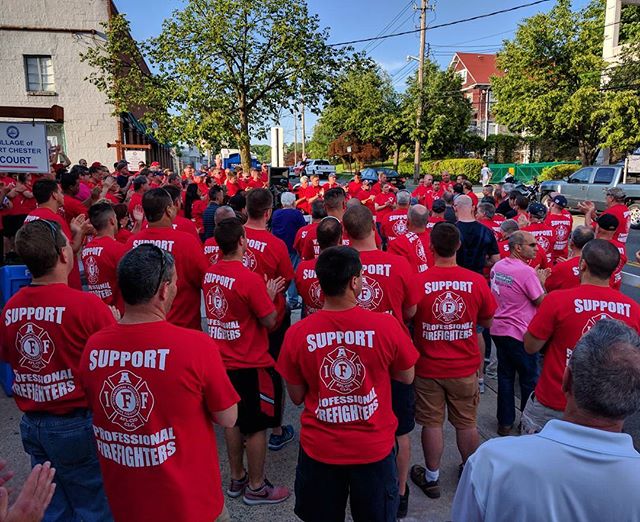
296 393
588 208
34 497
80 227
404 376
532 344
226 418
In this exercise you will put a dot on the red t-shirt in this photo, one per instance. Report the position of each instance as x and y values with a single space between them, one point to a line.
564 275
415 249
211 250
453 300
100 258
309 287
394 224
45 329
616 277
232 188
365 198
255 183
492 224
446 186
353 188
191 264
474 198
382 199
304 234
135 201
545 236
73 208
123 235
346 360
621 211
152 387
540 261
197 211
565 318
235 298
387 284
49 215
182 224
561 224
22 205
433 220
268 255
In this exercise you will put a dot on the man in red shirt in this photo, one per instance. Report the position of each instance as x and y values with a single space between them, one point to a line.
562 320
100 257
302 195
50 199
191 264
140 186
384 203
455 301
305 242
382 179
387 287
240 311
71 207
332 182
446 185
561 222
340 362
616 207
268 256
329 233
181 223
424 191
607 226
45 329
211 248
414 245
232 185
366 196
467 189
437 213
355 185
394 224
508 228
255 181
155 390
544 234
485 215
566 274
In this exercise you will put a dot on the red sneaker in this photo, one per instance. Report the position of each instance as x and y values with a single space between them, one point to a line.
266 494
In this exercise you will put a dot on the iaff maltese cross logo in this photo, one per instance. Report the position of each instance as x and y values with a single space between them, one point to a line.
400 227
92 270
249 260
34 346
592 322
342 371
126 400
216 302
448 307
371 294
315 293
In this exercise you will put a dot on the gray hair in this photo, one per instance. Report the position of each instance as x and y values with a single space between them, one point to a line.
516 238
581 235
287 199
487 209
418 216
509 226
223 212
140 286
507 188
605 366
403 198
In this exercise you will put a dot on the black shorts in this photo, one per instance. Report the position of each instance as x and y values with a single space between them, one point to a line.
260 405
403 403
11 224
322 490
277 336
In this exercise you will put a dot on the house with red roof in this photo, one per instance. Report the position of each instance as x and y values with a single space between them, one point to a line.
476 71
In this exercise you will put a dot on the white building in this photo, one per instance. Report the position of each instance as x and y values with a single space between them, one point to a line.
40 46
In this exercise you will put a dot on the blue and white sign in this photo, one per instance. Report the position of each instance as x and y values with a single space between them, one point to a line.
23 147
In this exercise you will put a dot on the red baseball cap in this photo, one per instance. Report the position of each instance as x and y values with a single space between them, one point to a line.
96 164
155 164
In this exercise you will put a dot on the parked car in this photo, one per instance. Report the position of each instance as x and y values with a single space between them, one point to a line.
371 174
590 184
309 167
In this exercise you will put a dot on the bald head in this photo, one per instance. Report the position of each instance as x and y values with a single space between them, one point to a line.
224 212
417 217
601 258
580 236
463 202
329 232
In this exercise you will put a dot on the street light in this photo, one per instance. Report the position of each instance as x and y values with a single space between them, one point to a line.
349 151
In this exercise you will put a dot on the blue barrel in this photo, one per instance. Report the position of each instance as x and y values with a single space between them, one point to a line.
12 278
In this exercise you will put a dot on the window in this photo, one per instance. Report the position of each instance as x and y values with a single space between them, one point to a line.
633 178
604 175
463 75
39 73
581 176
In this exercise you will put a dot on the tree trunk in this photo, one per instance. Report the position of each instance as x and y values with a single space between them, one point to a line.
588 153
244 141
396 156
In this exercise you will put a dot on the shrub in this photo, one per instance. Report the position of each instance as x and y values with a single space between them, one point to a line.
463 166
558 171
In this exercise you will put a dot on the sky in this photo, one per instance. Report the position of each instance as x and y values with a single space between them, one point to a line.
355 19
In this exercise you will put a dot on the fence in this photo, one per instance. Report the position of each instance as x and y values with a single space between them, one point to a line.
523 172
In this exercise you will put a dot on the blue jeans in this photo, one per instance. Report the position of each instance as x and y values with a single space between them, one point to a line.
292 291
68 443
513 359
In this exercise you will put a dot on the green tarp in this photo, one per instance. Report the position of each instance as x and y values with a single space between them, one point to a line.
523 172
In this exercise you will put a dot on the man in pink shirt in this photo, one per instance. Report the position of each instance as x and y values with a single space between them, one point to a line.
519 290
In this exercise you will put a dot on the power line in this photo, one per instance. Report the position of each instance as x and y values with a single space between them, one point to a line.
398 26
438 26
390 24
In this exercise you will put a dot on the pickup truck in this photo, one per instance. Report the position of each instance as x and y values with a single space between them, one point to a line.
590 184
314 166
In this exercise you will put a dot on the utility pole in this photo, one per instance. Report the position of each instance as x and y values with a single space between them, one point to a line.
304 133
295 136
423 40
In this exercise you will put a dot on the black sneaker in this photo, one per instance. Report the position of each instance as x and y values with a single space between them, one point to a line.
431 489
403 508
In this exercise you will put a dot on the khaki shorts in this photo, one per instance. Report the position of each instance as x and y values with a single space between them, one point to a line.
459 397
535 415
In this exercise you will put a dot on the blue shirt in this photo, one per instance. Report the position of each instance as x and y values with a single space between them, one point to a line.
208 219
567 472
285 223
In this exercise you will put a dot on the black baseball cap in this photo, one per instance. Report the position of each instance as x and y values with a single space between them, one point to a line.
438 206
537 210
608 222
560 200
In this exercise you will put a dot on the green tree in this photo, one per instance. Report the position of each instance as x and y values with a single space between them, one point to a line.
446 113
262 152
222 69
552 85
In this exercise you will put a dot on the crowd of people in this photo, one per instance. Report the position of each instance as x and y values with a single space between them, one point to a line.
161 304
